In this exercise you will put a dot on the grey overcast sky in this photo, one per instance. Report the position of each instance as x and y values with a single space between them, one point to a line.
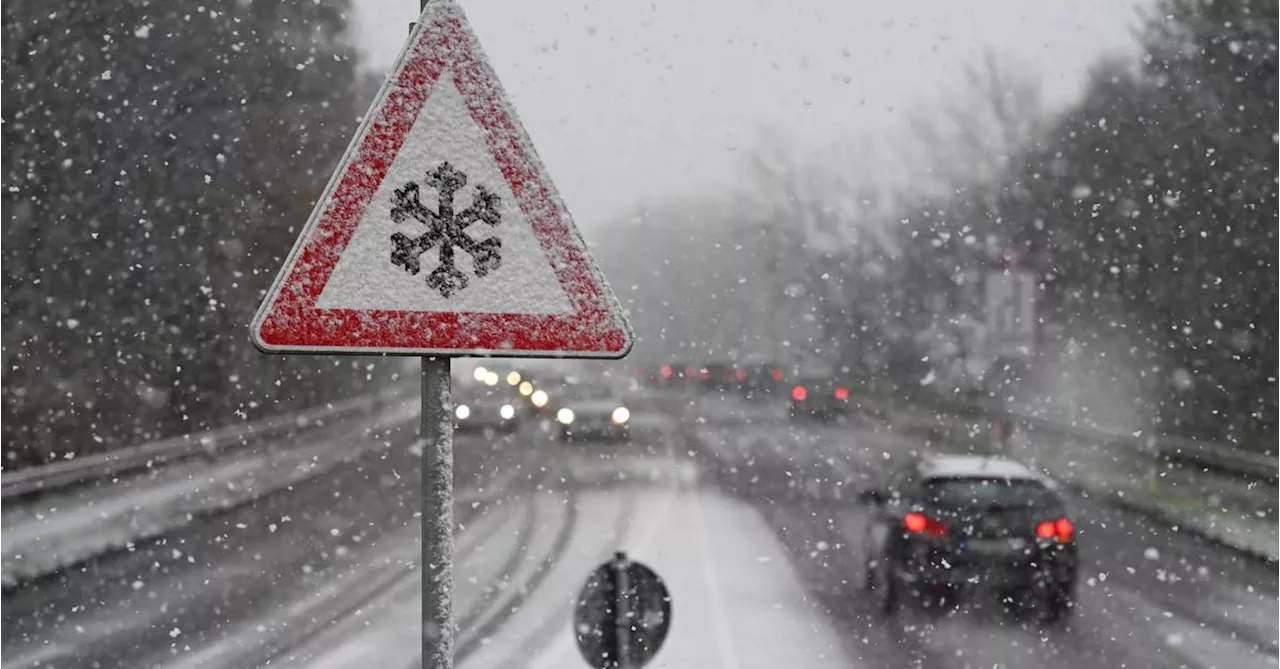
630 101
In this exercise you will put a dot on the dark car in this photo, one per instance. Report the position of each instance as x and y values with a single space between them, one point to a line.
719 377
592 410
761 380
819 398
480 409
947 526
676 374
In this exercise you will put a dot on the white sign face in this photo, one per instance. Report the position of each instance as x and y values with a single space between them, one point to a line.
445 134
1011 312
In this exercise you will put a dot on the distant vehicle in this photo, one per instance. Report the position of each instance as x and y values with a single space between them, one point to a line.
482 408
545 391
592 410
819 398
947 525
718 377
761 380
677 374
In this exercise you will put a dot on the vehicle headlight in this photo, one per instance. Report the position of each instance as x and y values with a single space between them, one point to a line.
479 373
462 411
507 412
621 415
540 398
526 388
491 378
565 415
513 378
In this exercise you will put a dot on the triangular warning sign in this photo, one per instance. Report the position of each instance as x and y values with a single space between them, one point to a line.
441 232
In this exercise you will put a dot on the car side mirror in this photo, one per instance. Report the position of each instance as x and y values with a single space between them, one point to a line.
872 496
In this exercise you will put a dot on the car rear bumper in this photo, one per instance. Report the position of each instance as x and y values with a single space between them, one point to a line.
819 412
1037 570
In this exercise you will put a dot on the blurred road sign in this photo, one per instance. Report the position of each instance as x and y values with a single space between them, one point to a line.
1010 312
441 232
623 615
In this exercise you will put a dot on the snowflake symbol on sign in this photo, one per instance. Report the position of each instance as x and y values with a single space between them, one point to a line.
446 230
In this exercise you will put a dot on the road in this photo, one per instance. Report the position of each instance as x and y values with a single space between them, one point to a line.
749 518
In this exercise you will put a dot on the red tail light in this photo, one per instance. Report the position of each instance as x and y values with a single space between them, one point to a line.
918 523
799 393
666 371
706 374
842 393
690 370
742 376
1060 529
776 374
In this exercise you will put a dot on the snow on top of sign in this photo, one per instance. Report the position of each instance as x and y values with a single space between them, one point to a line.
365 278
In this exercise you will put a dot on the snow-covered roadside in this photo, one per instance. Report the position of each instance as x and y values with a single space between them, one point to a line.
68 527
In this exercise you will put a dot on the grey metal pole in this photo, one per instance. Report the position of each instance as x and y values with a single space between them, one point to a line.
437 515
622 611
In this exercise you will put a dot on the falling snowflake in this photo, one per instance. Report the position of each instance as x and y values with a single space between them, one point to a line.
446 229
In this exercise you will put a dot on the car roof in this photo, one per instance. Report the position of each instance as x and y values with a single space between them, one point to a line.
976 466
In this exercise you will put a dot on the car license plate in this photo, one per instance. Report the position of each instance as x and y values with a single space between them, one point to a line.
994 546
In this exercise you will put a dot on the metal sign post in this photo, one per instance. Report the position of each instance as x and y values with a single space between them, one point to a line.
622 614
437 515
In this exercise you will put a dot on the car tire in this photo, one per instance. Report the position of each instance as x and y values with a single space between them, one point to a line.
1057 607
868 577
885 597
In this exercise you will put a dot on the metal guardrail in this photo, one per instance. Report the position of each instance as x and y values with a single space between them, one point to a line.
67 473
1221 457
1215 456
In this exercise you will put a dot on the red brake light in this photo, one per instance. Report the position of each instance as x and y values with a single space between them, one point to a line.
842 393
799 393
689 371
666 371
1061 529
1064 529
706 374
776 374
918 523
742 376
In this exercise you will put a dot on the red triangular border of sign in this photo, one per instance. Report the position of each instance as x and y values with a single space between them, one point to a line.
288 321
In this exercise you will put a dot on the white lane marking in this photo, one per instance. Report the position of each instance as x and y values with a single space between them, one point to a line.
720 620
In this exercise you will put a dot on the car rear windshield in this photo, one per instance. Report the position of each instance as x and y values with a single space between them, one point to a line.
988 493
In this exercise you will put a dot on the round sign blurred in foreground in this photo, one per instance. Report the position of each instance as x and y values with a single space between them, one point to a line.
623 615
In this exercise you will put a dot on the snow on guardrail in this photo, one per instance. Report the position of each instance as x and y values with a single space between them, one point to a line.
66 473
1221 457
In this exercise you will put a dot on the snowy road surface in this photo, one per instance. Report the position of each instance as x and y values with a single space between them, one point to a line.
751 525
